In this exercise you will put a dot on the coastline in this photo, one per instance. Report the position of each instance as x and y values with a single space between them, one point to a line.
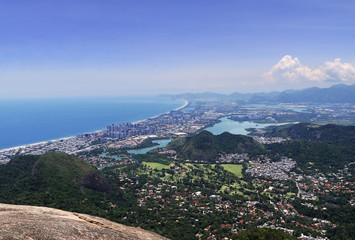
183 106
17 148
34 144
176 109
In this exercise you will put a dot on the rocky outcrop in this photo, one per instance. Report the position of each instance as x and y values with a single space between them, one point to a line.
29 222
96 182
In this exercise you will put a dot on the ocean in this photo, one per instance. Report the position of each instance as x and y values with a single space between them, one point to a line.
26 121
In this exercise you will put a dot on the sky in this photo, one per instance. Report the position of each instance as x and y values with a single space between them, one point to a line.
128 47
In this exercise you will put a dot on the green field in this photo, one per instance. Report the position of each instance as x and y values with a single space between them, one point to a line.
154 165
236 169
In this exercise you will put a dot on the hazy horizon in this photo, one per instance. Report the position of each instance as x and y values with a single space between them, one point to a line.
146 96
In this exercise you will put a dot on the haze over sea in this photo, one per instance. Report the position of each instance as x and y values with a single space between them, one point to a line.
26 121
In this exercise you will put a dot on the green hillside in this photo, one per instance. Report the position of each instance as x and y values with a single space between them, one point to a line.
263 233
329 133
207 147
53 179
326 147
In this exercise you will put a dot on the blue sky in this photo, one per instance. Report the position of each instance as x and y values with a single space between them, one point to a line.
85 48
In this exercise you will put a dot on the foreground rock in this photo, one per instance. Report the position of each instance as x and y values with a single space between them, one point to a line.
28 222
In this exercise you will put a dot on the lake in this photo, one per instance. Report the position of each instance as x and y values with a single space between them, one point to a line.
235 127
162 143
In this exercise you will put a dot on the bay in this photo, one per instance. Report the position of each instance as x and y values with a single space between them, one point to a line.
26 121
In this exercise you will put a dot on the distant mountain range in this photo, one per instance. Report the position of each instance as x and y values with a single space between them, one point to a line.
340 93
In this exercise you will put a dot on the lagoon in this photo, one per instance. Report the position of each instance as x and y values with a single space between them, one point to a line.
236 127
226 125
162 143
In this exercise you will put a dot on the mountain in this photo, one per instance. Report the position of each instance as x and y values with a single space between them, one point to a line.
328 146
330 133
207 147
53 179
195 96
28 222
335 94
340 93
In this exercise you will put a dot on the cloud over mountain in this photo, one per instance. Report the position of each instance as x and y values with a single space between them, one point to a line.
291 70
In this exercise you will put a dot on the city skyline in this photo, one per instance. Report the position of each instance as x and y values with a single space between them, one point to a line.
91 48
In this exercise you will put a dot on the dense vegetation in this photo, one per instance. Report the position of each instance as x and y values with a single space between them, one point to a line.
329 133
313 154
339 212
263 233
206 147
325 147
54 180
153 157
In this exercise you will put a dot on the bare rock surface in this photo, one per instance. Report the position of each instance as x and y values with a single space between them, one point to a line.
29 222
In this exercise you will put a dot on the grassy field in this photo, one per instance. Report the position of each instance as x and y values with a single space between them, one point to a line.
236 169
207 173
232 192
154 165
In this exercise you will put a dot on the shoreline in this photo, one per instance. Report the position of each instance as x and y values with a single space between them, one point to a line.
17 148
176 109
34 144
183 106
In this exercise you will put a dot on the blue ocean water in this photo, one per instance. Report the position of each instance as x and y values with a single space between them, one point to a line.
26 121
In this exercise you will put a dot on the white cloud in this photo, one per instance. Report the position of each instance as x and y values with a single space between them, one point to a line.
290 70
338 71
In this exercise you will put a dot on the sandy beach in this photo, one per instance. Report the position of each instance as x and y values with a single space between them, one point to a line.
179 108
183 106
34 144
